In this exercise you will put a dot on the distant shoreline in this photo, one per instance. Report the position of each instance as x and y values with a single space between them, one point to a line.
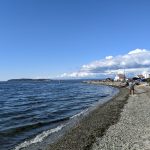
116 84
26 79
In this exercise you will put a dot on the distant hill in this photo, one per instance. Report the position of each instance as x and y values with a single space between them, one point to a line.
24 79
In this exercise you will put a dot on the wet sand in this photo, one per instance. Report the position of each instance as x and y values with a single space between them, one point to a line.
85 133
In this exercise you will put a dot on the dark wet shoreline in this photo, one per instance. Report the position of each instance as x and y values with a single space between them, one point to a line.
94 125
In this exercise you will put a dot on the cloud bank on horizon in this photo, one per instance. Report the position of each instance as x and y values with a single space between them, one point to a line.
135 62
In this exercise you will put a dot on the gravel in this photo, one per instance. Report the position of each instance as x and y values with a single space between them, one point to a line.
84 134
132 131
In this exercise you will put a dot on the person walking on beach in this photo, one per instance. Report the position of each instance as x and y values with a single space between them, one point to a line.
131 87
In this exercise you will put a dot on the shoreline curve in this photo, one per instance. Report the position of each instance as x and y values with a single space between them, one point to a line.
95 124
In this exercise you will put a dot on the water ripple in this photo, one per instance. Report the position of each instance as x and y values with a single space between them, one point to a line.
30 108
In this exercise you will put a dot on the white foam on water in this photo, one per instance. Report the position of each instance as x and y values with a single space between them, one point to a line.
80 113
38 138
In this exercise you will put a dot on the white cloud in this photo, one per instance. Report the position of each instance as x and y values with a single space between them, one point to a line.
135 62
138 51
109 57
78 74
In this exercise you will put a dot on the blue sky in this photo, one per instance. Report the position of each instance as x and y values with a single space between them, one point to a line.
46 38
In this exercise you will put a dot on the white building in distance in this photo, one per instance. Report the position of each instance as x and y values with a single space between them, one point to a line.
146 75
120 77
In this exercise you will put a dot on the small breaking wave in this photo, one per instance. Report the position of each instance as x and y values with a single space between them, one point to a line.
39 138
79 114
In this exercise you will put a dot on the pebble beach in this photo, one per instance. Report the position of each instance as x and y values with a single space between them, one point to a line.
123 123
85 133
132 132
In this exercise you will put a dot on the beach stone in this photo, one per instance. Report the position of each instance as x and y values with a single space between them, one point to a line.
132 132
95 124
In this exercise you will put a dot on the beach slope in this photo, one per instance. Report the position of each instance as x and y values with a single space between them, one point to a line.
132 132
85 133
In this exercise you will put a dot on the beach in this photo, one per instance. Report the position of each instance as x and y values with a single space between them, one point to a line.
85 133
123 123
132 131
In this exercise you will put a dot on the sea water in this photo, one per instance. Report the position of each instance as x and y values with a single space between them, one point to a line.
31 111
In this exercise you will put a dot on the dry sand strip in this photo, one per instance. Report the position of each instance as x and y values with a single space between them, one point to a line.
83 135
132 132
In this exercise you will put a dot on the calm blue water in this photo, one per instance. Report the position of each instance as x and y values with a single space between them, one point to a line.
29 108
